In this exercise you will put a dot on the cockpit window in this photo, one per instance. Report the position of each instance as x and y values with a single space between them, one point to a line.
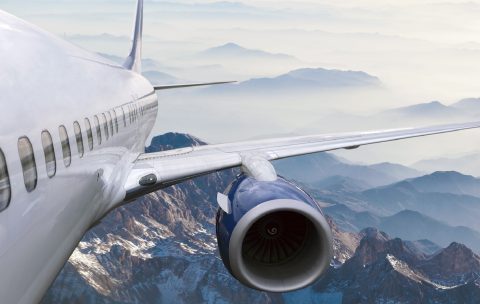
27 159
79 138
67 153
5 190
49 152
105 125
98 128
88 126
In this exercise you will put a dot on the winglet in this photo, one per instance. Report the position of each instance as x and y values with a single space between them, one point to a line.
134 59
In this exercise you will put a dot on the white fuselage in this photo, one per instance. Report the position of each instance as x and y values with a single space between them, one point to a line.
46 83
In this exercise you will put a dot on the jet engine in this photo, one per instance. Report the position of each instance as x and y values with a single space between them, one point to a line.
272 236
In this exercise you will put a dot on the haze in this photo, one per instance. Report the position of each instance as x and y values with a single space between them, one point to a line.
420 51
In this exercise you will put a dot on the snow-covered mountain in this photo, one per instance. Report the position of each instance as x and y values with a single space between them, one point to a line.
386 270
162 249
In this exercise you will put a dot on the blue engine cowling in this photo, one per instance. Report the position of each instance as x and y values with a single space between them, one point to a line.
275 238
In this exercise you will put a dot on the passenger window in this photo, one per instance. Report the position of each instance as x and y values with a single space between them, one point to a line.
79 138
105 126
48 150
115 120
110 122
67 153
89 133
130 116
124 117
96 121
29 167
5 190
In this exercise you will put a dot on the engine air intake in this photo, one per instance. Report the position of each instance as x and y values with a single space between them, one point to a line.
277 238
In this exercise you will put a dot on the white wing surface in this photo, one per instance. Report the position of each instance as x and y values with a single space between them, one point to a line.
153 171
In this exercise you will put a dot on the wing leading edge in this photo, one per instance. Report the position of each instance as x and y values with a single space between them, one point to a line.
153 171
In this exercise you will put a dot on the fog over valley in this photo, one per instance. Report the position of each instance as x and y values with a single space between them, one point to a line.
303 66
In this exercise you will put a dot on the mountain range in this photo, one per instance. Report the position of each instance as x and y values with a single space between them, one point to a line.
291 78
386 270
301 80
467 164
407 224
447 207
162 249
447 182
469 107
234 51
246 61
326 169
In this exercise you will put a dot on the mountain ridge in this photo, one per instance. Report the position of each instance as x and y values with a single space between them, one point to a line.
162 248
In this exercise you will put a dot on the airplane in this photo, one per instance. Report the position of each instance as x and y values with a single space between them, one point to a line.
72 138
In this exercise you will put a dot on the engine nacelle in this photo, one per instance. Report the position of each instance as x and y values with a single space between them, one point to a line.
275 237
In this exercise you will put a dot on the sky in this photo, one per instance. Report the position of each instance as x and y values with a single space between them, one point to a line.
421 51
429 48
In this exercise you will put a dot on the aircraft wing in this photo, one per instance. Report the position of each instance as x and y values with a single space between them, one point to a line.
153 171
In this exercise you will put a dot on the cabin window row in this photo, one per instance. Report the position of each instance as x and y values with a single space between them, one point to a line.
108 121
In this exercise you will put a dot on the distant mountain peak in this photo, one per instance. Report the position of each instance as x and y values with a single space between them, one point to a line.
447 182
340 76
231 45
466 164
374 233
455 260
375 245
467 103
313 79
232 49
409 213
458 248
173 140
434 103
447 173
427 108
227 46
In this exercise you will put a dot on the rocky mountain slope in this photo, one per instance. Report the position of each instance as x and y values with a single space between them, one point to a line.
385 270
159 249
406 224
162 249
